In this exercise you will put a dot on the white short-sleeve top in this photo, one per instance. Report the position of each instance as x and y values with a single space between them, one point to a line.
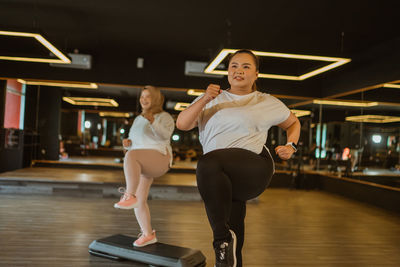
239 121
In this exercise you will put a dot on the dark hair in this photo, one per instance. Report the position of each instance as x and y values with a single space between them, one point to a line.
255 58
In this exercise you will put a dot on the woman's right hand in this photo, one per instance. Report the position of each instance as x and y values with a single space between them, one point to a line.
187 119
126 142
212 91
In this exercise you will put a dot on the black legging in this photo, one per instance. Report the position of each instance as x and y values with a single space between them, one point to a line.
226 179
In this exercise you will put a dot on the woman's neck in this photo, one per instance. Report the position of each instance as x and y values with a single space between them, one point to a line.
240 91
144 111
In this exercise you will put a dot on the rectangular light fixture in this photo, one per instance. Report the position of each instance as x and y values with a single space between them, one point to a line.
195 92
181 106
345 103
91 101
391 85
59 84
61 57
300 113
373 118
114 114
336 62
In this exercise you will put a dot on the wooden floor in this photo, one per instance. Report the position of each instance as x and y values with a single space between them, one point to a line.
47 174
109 161
285 228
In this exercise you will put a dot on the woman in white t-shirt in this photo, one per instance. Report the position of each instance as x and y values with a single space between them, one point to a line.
236 166
148 156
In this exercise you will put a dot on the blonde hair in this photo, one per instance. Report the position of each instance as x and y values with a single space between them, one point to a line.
157 99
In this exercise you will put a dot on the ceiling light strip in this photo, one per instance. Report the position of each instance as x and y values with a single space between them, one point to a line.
297 56
69 100
373 118
114 114
279 77
60 84
219 58
391 85
195 92
61 57
97 99
300 113
323 69
210 69
31 59
91 101
345 103
54 50
181 106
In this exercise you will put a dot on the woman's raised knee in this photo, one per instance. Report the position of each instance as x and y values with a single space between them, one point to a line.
208 163
207 168
131 155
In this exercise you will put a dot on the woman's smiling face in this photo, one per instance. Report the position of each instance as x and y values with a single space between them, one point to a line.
242 71
145 100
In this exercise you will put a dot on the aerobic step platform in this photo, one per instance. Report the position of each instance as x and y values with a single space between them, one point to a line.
118 247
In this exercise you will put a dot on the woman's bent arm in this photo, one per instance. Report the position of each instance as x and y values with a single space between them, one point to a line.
187 119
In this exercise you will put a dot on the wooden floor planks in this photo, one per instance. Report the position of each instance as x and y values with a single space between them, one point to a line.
90 176
285 228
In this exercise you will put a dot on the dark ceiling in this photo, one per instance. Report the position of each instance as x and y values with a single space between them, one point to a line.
168 33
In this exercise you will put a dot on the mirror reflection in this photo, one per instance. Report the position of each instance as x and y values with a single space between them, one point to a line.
344 137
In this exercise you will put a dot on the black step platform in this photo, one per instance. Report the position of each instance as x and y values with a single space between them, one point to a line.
120 247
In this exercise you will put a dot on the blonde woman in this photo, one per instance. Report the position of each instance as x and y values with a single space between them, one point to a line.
148 156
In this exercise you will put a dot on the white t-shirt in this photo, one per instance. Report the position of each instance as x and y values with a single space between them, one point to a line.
240 121
156 135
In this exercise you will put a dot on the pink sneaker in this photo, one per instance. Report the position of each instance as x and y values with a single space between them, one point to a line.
127 201
144 240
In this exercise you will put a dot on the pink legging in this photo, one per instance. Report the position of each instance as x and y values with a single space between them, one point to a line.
141 166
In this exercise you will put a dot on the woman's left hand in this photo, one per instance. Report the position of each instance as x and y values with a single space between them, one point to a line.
149 116
284 152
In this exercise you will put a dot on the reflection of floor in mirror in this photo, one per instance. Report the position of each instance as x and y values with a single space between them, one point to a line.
77 175
324 169
91 160
106 161
385 172
114 161
193 164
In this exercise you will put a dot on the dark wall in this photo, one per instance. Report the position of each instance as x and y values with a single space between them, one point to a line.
69 123
31 108
49 122
379 64
30 125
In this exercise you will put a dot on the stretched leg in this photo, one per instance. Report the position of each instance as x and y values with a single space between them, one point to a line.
142 212
216 190
226 179
236 223
153 164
